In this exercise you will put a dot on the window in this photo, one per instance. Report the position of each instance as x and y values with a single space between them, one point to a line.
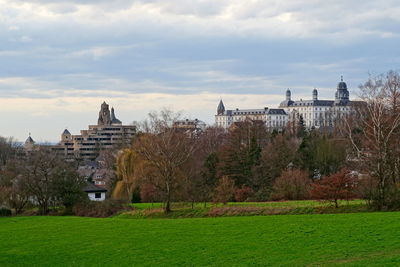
97 195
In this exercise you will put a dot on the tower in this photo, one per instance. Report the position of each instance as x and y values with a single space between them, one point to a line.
66 136
114 119
315 94
342 94
29 143
221 108
288 95
104 115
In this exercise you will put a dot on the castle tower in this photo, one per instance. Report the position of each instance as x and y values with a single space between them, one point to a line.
221 108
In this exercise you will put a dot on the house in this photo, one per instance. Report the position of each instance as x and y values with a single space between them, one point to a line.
95 193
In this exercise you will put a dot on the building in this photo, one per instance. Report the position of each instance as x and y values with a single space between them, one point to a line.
95 193
273 118
107 133
192 127
316 113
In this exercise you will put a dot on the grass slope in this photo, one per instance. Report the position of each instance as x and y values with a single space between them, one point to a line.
360 239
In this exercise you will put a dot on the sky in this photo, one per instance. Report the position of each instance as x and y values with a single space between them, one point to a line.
59 60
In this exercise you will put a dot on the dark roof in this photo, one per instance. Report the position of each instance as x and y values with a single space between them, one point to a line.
278 111
29 140
66 132
91 188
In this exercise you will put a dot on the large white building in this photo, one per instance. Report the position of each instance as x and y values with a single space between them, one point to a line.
316 113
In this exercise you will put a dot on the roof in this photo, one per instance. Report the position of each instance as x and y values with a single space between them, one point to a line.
277 111
29 140
66 131
91 188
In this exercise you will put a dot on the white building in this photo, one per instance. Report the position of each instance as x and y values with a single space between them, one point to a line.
273 118
95 193
316 113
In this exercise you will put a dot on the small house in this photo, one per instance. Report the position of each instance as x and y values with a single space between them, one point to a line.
95 193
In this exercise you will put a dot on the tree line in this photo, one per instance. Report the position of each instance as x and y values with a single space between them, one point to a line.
358 157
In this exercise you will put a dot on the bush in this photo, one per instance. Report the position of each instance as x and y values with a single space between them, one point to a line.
4 212
224 190
340 185
243 194
100 209
293 184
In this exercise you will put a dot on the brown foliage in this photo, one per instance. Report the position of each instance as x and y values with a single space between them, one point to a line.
99 209
224 190
293 184
242 194
340 185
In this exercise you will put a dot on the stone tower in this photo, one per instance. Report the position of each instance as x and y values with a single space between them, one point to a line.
104 115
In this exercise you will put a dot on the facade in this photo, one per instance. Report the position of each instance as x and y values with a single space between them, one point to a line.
273 118
316 113
108 133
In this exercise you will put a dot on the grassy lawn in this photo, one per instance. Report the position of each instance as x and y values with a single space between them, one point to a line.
359 239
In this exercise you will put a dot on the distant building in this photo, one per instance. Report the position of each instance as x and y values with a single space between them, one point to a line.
316 113
108 133
273 118
190 126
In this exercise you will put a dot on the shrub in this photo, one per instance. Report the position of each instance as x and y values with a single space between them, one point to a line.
243 194
293 184
224 190
4 212
99 209
340 185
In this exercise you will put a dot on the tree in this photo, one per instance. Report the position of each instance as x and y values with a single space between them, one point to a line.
335 187
242 151
164 152
67 186
8 150
373 131
293 184
224 190
128 168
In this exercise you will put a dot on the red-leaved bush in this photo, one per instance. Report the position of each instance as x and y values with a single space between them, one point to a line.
340 185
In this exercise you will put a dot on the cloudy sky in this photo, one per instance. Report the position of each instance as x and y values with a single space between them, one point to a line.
61 59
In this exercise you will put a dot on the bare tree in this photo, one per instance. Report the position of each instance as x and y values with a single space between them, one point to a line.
164 151
373 131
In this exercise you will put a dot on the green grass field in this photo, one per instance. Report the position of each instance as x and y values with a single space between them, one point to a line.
360 239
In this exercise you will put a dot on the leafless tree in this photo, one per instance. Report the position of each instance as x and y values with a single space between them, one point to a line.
373 130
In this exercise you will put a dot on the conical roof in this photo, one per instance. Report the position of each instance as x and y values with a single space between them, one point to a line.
66 132
221 107
114 120
29 140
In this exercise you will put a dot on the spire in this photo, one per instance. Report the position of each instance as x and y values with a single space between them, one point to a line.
221 108
114 119
341 78
29 140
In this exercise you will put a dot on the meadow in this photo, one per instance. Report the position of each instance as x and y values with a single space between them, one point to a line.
354 239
